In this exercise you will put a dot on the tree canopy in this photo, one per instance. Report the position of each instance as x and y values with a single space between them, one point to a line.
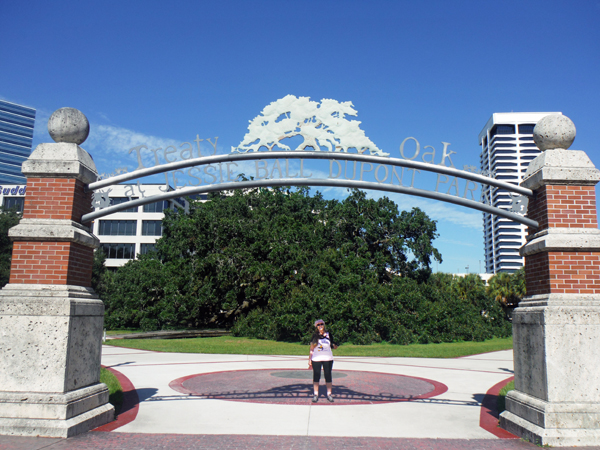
267 262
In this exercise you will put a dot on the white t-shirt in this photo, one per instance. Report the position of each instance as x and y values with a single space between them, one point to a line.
322 351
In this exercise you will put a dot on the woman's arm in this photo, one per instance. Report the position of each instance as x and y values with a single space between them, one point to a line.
333 344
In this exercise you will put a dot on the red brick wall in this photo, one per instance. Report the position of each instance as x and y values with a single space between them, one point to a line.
51 263
563 273
56 198
564 207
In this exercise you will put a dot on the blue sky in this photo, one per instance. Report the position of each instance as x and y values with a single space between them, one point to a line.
158 73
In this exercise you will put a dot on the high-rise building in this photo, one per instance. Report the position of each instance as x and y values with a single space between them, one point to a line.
16 135
507 148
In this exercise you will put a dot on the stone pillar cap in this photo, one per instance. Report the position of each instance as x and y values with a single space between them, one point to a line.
60 160
561 167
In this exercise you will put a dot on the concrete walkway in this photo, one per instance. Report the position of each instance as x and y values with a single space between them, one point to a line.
237 401
454 414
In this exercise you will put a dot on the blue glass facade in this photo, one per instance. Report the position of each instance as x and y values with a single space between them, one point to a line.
16 135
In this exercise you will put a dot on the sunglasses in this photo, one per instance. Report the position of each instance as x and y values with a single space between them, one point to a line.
320 324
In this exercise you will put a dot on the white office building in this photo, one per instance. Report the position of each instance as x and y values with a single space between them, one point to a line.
125 234
507 148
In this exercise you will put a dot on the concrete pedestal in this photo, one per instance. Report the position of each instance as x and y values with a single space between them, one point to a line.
51 339
556 400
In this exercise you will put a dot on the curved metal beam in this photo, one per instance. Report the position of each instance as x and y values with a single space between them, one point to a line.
310 182
232 157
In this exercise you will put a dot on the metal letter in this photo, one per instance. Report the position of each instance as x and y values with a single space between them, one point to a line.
447 154
454 185
398 177
276 166
188 150
214 145
139 156
229 173
362 169
437 184
214 178
331 161
220 172
139 185
402 148
258 169
470 190
175 178
346 171
155 155
485 195
168 153
129 192
189 172
377 170
428 153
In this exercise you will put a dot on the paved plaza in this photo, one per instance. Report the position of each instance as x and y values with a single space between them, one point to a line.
175 400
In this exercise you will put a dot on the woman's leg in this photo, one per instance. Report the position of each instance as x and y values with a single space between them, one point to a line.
327 366
316 365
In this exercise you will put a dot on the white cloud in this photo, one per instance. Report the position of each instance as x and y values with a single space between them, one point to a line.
437 210
455 242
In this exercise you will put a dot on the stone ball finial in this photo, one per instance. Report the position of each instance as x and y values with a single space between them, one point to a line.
554 131
68 125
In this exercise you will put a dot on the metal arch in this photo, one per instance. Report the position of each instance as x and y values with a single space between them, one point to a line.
310 182
232 157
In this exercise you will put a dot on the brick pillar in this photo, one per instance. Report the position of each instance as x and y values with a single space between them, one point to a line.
51 320
556 328
47 258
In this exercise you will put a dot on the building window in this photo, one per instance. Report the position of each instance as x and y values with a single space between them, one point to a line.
117 228
152 228
503 129
526 128
119 200
14 203
147 248
156 207
119 251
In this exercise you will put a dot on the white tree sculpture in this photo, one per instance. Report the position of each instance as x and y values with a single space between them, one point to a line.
320 125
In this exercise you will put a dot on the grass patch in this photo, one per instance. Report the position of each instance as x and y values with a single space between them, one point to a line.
115 397
247 346
502 396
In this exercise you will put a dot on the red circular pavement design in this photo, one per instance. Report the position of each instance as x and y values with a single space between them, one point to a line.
294 387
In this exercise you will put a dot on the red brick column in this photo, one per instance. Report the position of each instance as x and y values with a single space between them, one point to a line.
52 262
563 207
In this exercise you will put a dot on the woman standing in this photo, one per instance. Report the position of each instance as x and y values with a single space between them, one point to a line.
321 356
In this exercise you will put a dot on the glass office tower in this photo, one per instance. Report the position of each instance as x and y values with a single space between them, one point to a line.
16 135
507 148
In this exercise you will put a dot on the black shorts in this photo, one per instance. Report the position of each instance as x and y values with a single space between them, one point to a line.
327 365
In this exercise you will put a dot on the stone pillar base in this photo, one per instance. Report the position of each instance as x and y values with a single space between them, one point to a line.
551 423
50 348
55 415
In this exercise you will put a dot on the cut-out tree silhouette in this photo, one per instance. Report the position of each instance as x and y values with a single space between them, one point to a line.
321 125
